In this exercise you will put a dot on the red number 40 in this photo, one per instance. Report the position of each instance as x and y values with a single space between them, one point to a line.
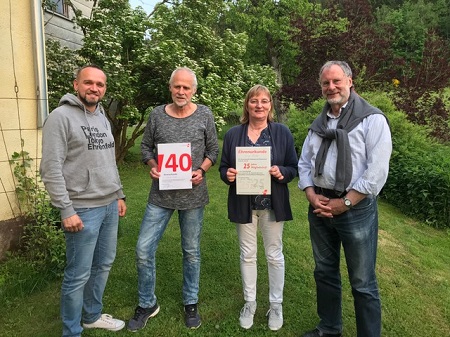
184 162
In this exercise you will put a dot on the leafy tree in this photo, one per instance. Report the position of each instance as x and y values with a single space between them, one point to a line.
370 46
356 39
114 40
217 55
138 53
442 9
411 23
420 91
269 23
61 63
389 3
423 70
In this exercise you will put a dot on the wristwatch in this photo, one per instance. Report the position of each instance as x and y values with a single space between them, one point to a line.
203 171
347 202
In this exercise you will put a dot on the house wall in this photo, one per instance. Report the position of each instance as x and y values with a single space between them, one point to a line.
22 97
61 28
18 109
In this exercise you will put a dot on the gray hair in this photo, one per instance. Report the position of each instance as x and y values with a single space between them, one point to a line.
344 66
190 71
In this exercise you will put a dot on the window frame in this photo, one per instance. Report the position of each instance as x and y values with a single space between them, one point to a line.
61 7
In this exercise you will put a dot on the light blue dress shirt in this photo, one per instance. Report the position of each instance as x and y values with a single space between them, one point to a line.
371 147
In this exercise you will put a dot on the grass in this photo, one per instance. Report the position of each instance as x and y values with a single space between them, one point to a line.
413 272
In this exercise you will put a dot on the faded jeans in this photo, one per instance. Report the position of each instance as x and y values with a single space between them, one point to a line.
357 231
90 254
153 225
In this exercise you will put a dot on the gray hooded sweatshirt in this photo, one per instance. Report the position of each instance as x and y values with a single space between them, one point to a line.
78 165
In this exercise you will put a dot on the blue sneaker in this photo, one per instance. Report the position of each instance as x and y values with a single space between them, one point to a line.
191 316
141 316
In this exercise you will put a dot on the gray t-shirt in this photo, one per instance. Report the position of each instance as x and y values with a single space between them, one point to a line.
198 129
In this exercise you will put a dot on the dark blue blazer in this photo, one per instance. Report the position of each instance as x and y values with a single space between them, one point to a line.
283 155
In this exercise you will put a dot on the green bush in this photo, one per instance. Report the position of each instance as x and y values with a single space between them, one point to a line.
419 175
300 120
42 241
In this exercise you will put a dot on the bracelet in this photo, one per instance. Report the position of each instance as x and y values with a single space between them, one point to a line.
203 171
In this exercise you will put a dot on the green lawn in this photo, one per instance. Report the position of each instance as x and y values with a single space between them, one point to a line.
413 272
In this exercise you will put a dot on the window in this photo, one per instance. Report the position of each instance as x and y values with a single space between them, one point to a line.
58 6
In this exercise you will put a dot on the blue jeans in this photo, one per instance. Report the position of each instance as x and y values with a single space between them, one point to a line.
152 229
90 254
357 231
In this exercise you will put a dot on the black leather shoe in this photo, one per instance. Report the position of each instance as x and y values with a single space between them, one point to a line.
317 333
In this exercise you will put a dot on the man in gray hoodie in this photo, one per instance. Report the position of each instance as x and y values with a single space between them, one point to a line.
79 171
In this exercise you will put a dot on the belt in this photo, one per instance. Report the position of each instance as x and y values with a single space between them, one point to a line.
332 194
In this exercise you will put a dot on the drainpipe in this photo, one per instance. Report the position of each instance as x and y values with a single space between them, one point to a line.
39 60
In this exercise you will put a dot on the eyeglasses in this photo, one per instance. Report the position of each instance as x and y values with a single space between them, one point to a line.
336 82
262 102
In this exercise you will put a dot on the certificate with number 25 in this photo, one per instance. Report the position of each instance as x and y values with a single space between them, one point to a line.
253 164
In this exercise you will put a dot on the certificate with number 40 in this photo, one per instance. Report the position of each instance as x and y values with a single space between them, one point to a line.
253 164
175 166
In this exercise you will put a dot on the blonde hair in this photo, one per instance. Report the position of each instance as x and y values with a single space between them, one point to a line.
255 91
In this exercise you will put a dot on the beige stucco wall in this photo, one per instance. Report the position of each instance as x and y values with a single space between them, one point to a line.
18 97
20 64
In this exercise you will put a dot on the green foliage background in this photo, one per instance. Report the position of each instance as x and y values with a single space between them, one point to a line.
399 52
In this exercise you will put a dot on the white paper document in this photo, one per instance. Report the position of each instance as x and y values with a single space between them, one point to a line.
175 166
253 164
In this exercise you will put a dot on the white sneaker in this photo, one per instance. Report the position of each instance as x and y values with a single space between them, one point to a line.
106 322
247 313
275 314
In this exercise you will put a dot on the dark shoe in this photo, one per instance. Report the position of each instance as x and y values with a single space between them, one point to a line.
191 316
141 316
317 333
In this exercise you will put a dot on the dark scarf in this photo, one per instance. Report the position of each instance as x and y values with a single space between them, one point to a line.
355 111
